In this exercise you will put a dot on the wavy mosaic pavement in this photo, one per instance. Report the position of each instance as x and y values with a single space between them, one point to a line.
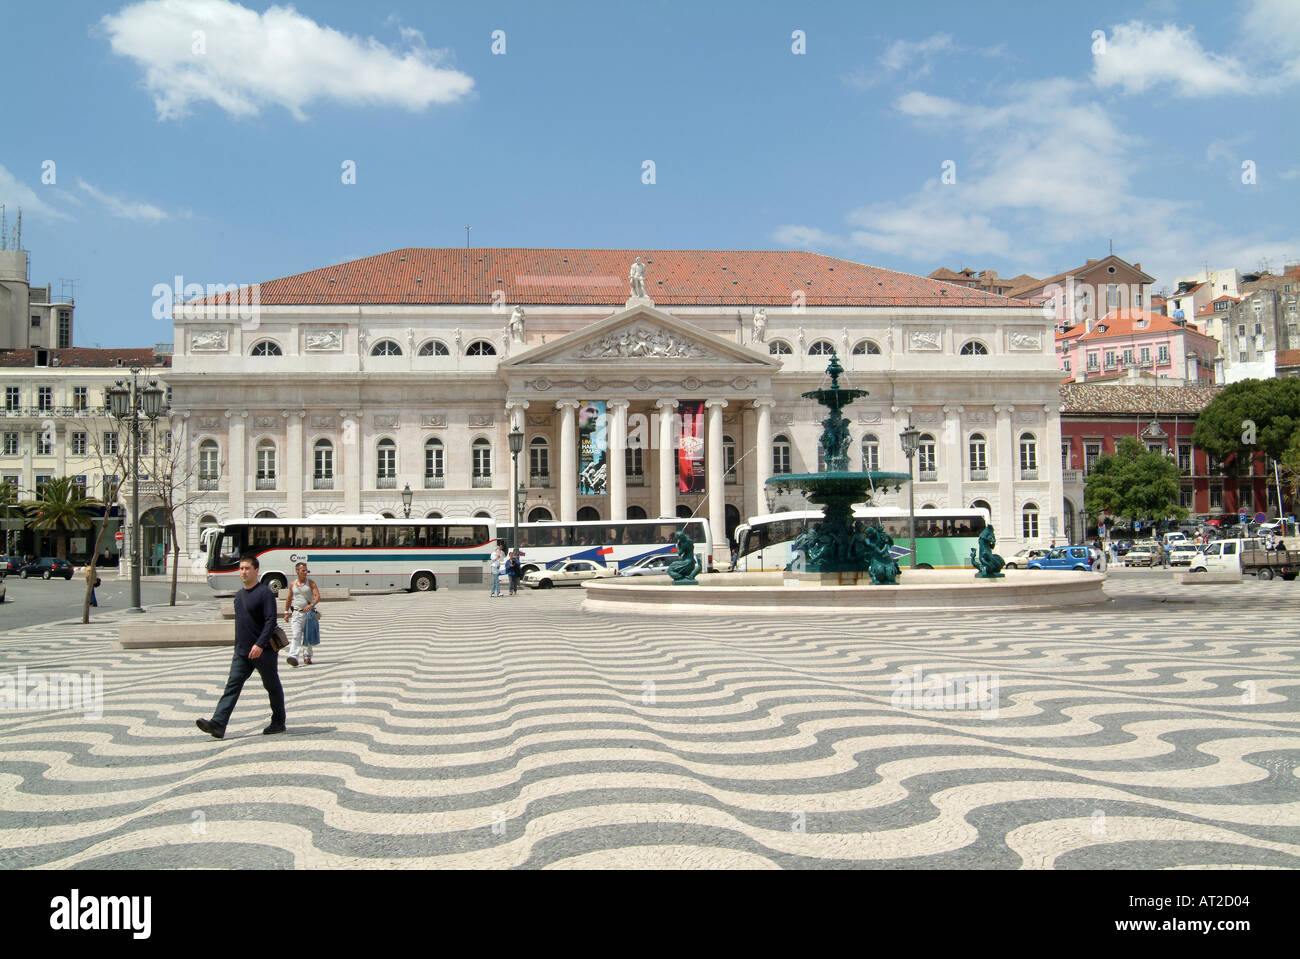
455 730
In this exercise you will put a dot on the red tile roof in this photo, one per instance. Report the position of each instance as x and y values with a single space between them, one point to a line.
1124 323
1208 308
1032 285
84 356
419 275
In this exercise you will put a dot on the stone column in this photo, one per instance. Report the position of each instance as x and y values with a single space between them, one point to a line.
516 418
237 472
1004 513
616 436
747 465
763 452
955 455
1051 466
351 450
568 461
717 482
667 459
293 453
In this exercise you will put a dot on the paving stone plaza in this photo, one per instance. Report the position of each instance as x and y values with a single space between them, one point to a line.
455 730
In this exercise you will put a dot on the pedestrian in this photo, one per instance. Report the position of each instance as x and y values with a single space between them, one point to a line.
513 569
92 584
302 600
254 623
1280 545
498 567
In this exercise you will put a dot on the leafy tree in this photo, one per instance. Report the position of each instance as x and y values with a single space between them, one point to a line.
1250 416
1134 484
60 506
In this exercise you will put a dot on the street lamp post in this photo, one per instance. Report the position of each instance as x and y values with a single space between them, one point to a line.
130 400
516 438
911 440
406 500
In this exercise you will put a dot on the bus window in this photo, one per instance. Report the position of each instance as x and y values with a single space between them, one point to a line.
229 548
322 536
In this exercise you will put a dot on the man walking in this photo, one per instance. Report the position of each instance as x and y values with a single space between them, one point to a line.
254 622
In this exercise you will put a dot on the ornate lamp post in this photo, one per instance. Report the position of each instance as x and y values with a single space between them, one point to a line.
1083 518
128 399
406 500
911 440
516 438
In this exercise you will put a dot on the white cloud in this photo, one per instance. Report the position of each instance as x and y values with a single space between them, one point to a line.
804 237
917 104
902 53
247 61
1291 174
124 209
16 195
1138 56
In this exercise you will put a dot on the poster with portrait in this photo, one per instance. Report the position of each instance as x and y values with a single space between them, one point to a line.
593 451
690 447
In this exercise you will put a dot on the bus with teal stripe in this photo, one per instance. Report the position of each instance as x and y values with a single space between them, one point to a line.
359 552
944 537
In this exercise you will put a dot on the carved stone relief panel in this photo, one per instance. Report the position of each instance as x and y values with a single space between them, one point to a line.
1022 340
480 419
265 422
387 420
322 422
925 340
324 340
209 341
644 342
433 420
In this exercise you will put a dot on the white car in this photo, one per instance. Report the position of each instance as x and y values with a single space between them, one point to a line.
1141 554
567 572
650 565
1181 554
1021 559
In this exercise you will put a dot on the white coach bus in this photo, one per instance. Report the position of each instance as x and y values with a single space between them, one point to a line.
615 543
361 552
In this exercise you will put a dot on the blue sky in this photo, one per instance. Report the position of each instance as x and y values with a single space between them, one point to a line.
219 156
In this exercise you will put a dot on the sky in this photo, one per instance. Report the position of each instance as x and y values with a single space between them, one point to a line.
222 142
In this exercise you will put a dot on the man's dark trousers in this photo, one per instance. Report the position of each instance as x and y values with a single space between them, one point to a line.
241 667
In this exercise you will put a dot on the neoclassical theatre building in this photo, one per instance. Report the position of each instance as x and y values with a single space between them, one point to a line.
647 383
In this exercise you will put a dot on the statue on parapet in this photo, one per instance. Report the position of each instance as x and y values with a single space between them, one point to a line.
988 564
517 324
636 277
683 571
760 325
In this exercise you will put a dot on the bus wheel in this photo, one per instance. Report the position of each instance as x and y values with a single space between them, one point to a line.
275 582
423 582
1266 574
924 566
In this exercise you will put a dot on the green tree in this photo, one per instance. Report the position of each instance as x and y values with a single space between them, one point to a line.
1135 484
1250 416
60 506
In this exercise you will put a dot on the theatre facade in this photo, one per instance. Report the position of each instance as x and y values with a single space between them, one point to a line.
647 383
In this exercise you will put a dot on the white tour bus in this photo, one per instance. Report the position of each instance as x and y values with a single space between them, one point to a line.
944 537
362 552
615 543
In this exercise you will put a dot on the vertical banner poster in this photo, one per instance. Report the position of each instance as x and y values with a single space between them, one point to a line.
690 447
593 450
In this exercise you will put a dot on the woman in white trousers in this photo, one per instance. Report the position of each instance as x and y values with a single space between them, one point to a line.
302 596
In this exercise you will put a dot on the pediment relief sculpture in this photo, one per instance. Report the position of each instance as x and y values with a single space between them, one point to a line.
640 343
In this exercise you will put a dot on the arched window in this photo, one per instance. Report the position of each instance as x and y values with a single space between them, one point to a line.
265 514
386 348
386 464
481 348
433 478
539 514
821 348
265 348
927 463
323 465
635 512
780 454
974 348
206 521
482 514
729 460
1029 521
209 464
979 464
683 511
870 452
866 348
387 514
434 348
588 514
433 514
982 504
539 463
265 464
481 453
779 348
1028 456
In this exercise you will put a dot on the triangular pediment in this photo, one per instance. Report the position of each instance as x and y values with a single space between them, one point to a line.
640 335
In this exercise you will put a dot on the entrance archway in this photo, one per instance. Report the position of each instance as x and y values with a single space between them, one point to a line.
588 514
732 521
155 540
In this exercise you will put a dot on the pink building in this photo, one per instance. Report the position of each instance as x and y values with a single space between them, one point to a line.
1136 339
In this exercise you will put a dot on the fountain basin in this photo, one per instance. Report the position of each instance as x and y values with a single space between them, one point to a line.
787 594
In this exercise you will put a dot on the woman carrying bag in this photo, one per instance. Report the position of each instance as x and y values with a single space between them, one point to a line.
303 598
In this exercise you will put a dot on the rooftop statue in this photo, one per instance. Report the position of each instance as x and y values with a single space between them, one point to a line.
636 276
760 325
517 324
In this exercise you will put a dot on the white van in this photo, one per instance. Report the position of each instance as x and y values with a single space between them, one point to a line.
1223 555
1175 537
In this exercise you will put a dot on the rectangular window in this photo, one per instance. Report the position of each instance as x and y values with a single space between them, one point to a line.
11 444
13 398
1241 329
324 463
1065 455
79 444
79 399
1028 456
1128 357
482 461
387 462
539 461
1246 497
1067 366
1146 355
780 458
1241 356
266 463
79 484
1185 458
110 486
65 329
1216 497
927 462
144 444
633 462
36 322
44 443
110 444
1110 359
45 398
42 480
1186 497
1092 361
871 457
1164 354
1091 453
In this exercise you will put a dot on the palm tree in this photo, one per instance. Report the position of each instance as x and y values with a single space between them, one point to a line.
61 506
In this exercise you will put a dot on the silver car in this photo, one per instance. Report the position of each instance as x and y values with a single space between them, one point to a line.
650 565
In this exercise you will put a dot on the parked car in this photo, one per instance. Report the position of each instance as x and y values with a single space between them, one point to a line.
1021 559
650 565
47 567
11 564
1140 554
1123 546
566 572
1064 557
1181 554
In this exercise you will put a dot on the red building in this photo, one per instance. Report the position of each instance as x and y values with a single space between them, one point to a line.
1094 416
